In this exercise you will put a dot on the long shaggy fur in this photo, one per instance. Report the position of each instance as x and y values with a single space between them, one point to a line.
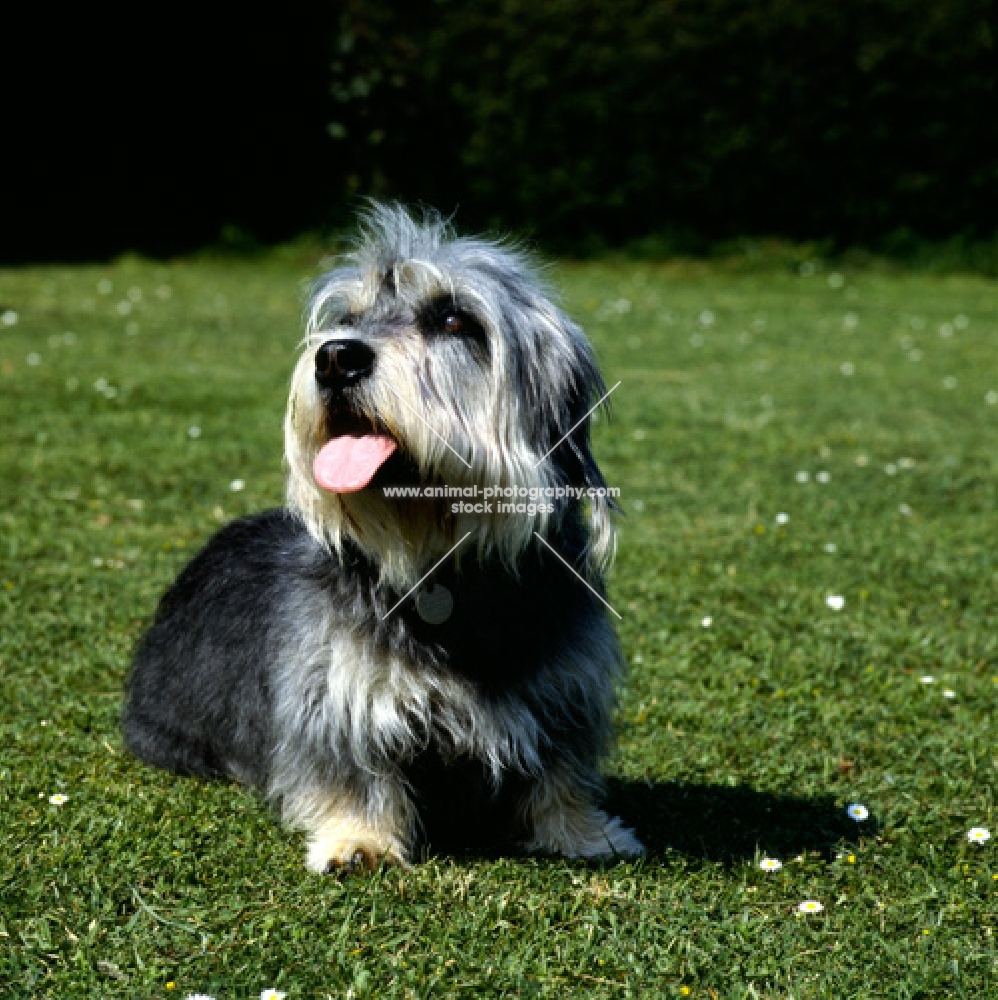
279 657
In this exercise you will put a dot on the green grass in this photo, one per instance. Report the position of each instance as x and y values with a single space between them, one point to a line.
740 740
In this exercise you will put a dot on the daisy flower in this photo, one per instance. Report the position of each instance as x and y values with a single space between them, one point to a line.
949 693
810 906
198 996
58 799
978 835
706 621
272 994
836 602
823 477
857 811
770 865
783 517
236 485
927 679
904 510
803 477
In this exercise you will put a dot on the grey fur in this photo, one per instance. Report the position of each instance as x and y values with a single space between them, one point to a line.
273 659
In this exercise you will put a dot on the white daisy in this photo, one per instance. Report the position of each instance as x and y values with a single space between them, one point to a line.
831 547
198 996
978 835
194 432
236 485
822 477
948 693
857 811
783 517
706 621
835 601
770 865
802 477
272 994
810 906
847 368
904 510
58 799
8 317
891 469
927 679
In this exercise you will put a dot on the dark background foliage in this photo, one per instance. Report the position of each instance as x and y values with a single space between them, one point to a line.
582 122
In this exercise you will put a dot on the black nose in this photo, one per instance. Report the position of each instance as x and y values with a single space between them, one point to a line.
340 363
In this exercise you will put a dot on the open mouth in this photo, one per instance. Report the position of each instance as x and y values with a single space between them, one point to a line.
353 454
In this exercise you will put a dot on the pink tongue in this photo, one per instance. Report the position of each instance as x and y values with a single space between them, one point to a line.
347 464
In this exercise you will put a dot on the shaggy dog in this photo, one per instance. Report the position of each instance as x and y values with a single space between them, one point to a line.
416 650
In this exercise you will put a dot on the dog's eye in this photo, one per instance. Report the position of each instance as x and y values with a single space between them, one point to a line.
454 322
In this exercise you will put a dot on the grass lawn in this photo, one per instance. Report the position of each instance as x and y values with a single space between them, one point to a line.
778 439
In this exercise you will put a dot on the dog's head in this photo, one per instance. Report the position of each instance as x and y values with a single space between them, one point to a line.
436 360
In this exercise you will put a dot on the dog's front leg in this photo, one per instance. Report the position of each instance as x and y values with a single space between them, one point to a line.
358 830
562 818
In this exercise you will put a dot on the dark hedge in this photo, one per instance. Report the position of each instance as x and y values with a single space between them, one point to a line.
590 121
585 123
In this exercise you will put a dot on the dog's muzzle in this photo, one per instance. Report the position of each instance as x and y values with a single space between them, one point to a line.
341 363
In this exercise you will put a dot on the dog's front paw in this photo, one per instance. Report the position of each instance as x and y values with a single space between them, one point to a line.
352 847
588 834
619 841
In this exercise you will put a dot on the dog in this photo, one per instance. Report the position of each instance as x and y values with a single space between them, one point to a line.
396 670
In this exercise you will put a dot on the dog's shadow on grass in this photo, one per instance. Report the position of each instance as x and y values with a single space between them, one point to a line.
729 824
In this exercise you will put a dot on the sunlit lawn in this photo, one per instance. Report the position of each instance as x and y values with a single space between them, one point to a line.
779 439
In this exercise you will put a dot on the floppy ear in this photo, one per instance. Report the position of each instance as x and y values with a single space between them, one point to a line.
580 469
576 465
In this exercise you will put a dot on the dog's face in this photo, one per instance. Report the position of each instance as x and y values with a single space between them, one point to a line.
434 360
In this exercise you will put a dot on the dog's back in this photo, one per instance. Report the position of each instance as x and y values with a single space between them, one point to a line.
199 700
